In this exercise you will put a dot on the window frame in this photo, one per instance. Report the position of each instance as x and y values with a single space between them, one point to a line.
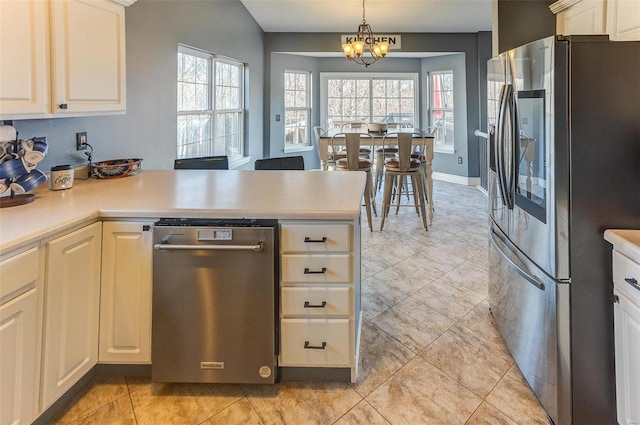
441 147
371 76
292 147
214 113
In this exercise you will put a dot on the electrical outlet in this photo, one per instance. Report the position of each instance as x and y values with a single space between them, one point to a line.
277 117
81 141
459 160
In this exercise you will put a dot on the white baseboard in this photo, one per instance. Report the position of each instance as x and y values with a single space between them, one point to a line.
451 178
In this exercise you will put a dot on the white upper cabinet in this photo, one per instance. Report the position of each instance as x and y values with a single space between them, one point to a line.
620 19
623 19
61 58
87 56
24 57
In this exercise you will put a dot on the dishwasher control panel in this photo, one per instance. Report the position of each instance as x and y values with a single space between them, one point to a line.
213 234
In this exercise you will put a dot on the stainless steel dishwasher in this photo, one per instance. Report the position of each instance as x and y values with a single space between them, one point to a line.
214 301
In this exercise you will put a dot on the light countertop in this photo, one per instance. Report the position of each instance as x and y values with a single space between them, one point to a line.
309 195
625 241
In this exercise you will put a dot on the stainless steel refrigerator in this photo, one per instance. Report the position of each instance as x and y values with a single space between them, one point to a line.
564 165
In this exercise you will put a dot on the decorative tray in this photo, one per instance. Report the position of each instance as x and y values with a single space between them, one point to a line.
116 168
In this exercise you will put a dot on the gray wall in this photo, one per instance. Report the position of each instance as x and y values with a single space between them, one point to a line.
148 129
475 48
523 21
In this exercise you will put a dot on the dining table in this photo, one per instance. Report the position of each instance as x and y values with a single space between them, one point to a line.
324 144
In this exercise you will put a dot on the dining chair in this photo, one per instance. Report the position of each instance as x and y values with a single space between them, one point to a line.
220 162
397 169
425 155
355 162
280 163
331 154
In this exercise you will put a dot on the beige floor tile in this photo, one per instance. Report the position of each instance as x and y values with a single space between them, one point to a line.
481 322
239 413
407 276
489 415
362 414
380 357
377 297
134 383
514 398
118 412
447 299
100 391
421 394
182 403
475 362
437 260
413 324
306 403
469 276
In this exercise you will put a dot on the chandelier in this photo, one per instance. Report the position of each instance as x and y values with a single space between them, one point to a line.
363 50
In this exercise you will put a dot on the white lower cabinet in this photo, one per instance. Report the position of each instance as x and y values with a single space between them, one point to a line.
316 342
319 295
20 332
626 278
125 301
72 304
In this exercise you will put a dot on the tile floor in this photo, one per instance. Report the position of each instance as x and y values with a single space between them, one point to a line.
430 353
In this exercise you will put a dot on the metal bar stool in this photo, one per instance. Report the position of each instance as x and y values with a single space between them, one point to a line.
397 169
355 162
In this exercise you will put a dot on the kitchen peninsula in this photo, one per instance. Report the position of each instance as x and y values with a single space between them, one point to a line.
84 291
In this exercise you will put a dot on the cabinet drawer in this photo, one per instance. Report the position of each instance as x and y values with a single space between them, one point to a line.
320 342
316 268
625 273
315 301
315 238
19 274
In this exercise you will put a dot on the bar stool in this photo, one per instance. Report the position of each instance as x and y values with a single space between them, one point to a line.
355 162
397 169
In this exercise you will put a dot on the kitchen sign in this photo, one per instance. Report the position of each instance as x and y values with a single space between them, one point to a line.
394 40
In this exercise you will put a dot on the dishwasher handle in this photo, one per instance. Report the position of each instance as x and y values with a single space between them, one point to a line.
162 245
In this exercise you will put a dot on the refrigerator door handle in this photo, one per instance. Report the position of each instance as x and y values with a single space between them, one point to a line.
535 281
499 153
509 151
515 148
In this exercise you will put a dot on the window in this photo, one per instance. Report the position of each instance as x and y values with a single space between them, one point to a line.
210 105
441 108
297 108
390 98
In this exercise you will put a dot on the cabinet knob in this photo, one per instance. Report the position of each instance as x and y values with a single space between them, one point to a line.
63 106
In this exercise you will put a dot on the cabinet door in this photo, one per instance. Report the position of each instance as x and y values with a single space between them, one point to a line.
87 56
19 336
71 310
627 352
125 301
582 17
623 20
24 55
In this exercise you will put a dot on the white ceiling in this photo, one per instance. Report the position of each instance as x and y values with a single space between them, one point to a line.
384 16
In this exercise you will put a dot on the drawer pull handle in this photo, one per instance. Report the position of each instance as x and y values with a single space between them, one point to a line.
307 239
633 282
307 271
308 346
309 305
